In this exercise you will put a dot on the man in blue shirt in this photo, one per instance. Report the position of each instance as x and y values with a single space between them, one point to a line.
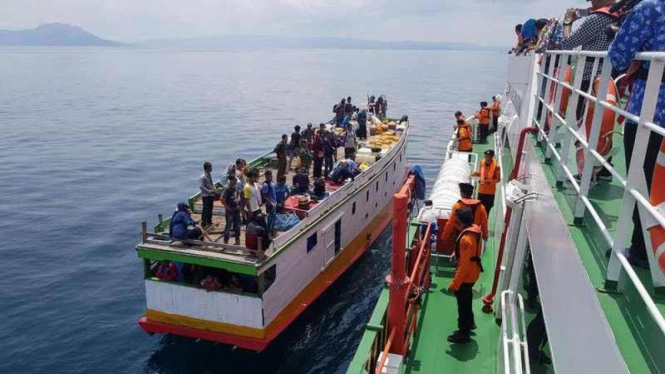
643 30
281 190
268 192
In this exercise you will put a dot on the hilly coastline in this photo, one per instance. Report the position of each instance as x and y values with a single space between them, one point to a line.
54 34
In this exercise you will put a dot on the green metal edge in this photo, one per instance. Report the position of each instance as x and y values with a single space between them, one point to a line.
371 331
157 255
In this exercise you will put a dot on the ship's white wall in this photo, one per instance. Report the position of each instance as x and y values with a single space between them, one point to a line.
240 310
296 268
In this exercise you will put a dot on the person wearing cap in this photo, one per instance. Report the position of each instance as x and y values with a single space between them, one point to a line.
469 267
308 134
496 112
484 116
490 174
464 143
281 151
208 194
477 208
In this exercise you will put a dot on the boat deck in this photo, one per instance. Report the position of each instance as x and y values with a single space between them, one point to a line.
213 246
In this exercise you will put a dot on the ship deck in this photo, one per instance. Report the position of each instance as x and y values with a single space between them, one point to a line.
638 338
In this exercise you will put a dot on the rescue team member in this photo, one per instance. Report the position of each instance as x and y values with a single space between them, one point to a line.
464 143
496 112
467 250
484 117
490 175
477 209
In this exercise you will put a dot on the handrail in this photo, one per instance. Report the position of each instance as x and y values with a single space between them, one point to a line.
634 185
515 347
384 355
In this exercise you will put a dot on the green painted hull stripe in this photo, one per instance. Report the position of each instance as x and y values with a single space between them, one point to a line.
157 255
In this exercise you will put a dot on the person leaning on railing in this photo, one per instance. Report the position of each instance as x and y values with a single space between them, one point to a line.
591 36
643 30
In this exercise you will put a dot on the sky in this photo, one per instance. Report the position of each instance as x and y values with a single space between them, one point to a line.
485 22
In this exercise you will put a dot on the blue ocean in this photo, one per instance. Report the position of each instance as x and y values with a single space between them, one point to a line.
93 141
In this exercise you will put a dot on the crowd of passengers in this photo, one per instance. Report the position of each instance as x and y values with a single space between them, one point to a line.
310 155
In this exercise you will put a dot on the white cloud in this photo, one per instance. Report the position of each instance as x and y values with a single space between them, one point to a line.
474 21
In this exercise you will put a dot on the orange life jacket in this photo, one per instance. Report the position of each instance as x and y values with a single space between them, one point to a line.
464 138
496 108
479 218
488 174
484 116
468 251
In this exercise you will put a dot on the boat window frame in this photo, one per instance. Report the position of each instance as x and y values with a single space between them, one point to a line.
312 238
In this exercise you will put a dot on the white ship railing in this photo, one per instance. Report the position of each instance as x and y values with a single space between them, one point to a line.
635 189
513 335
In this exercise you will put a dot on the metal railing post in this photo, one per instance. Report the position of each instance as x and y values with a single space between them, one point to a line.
594 136
548 64
571 120
635 173
554 133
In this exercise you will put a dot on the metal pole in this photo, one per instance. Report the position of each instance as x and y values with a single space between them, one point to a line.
397 280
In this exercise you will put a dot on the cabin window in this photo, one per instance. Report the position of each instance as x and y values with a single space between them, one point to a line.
394 166
377 186
367 197
312 241
353 208
386 176
338 236
269 277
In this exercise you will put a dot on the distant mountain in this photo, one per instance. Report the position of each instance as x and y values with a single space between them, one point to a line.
53 34
263 42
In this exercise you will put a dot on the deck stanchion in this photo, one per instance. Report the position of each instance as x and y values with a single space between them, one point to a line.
397 280
488 300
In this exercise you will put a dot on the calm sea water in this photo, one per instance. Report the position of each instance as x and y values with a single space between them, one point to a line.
94 141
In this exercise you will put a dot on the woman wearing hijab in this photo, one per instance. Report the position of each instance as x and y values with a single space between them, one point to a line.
181 221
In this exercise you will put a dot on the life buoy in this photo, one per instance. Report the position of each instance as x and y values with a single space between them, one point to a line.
604 145
565 96
658 200
609 117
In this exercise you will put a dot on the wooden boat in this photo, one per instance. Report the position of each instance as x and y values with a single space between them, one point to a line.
282 281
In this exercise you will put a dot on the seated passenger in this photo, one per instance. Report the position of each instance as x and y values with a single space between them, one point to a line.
343 171
257 230
167 271
300 182
182 225
319 191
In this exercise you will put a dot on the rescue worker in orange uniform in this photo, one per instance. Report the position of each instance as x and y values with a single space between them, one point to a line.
450 232
467 250
464 143
490 175
496 112
484 118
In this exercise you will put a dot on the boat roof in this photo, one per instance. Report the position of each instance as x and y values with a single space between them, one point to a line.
213 252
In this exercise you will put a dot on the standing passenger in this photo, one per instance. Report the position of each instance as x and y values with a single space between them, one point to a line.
496 112
318 154
348 108
308 134
330 150
232 210
467 252
293 146
208 194
252 194
643 30
280 151
362 124
464 136
268 192
483 116
490 175
281 190
350 143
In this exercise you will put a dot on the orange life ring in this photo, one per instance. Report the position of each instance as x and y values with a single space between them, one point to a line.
658 201
609 117
565 96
